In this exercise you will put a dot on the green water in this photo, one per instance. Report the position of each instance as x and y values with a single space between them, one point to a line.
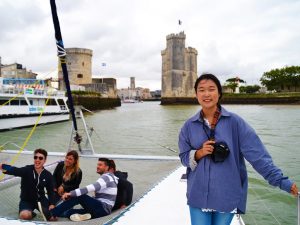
152 129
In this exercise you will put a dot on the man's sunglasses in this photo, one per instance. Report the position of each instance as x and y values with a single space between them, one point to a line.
38 157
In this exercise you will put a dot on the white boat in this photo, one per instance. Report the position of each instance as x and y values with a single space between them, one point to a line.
23 100
129 101
164 204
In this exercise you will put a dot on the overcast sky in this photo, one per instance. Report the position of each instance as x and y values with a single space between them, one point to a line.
233 37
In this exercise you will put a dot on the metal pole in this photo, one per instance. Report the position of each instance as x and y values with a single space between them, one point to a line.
86 131
62 59
298 208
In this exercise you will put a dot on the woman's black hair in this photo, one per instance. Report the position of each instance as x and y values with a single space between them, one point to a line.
208 76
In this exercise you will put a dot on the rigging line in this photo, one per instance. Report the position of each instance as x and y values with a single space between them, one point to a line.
155 142
14 159
11 143
13 137
149 139
252 217
264 204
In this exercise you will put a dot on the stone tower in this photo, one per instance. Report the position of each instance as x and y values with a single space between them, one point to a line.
179 68
132 83
79 64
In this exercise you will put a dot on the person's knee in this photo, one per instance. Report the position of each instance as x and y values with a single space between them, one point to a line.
25 215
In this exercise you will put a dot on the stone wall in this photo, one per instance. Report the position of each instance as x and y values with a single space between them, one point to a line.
96 102
236 100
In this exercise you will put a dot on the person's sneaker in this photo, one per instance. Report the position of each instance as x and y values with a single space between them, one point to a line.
80 217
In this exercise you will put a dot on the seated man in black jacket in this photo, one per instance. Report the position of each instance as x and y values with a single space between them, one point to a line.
34 179
125 188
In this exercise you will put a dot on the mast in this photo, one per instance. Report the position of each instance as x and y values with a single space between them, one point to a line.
61 52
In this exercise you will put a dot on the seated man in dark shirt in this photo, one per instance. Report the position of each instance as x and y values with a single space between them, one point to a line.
34 180
125 188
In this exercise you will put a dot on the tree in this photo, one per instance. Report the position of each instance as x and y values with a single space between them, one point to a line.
234 82
232 86
249 89
278 78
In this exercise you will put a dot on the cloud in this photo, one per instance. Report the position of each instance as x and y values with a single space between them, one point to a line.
244 38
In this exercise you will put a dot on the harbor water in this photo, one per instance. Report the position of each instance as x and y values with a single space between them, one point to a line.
151 129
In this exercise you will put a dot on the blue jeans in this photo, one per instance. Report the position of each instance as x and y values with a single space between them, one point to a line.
88 203
198 217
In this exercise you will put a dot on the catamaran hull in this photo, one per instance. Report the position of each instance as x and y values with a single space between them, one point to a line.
28 120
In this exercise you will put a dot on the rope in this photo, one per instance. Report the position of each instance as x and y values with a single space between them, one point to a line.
265 206
15 158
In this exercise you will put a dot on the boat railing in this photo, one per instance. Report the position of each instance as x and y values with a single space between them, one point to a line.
12 90
298 208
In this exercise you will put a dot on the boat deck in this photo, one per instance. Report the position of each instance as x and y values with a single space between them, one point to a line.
144 174
164 204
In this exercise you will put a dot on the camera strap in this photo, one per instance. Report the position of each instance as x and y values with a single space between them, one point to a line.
212 125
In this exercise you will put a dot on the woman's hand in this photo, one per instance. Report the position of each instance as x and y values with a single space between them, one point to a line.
207 149
294 190
60 190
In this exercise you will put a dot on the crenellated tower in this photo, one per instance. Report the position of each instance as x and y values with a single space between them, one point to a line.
179 68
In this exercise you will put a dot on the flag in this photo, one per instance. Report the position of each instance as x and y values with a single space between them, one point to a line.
179 22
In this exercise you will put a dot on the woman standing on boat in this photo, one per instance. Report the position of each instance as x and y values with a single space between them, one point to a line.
67 175
213 145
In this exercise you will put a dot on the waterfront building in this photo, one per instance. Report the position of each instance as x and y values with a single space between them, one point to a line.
106 86
138 93
126 93
155 94
134 93
16 70
179 68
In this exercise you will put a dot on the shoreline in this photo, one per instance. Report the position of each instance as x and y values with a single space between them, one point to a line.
247 99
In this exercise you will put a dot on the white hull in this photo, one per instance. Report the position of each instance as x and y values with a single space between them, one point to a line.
23 100
18 122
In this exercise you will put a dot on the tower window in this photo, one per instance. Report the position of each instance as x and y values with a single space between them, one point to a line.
79 75
82 63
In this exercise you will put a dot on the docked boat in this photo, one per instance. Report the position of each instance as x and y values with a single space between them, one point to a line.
129 101
23 100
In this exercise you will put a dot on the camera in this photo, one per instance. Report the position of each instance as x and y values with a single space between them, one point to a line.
221 152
